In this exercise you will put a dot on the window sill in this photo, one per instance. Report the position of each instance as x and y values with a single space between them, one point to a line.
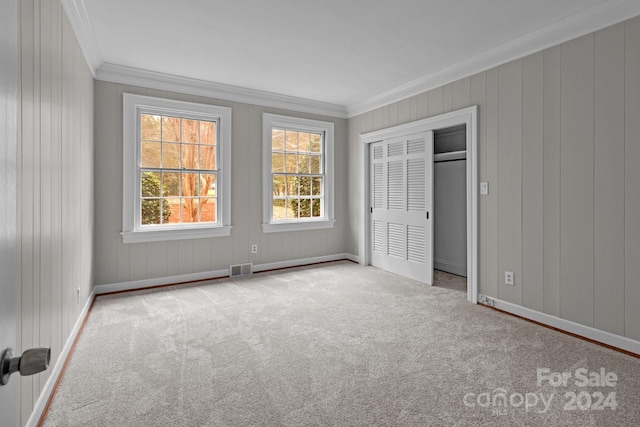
276 227
175 234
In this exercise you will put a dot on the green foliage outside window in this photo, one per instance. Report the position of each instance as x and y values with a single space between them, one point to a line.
151 207
308 207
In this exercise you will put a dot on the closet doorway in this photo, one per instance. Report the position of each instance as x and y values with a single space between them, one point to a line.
450 207
465 120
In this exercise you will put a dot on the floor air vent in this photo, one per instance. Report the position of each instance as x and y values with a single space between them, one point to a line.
240 269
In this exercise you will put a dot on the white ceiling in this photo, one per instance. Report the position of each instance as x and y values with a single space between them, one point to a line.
349 53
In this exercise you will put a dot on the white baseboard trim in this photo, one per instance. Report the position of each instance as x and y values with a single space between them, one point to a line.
603 337
159 281
354 258
299 262
45 394
450 267
215 274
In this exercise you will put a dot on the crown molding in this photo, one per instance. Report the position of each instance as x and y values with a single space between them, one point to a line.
558 32
76 12
596 18
150 79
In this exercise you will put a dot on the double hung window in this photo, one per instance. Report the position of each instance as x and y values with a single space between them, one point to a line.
176 169
297 173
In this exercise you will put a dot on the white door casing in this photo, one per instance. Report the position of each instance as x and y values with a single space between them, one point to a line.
466 116
401 197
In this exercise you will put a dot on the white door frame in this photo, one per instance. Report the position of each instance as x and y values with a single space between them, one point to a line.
466 116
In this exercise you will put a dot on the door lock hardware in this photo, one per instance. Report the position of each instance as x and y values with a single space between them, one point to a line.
31 362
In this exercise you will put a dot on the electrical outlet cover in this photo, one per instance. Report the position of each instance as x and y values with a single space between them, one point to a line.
509 278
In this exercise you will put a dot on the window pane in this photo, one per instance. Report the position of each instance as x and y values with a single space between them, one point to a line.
174 207
150 211
305 185
305 208
170 155
292 208
190 131
291 163
150 127
208 133
207 157
315 164
208 182
279 185
277 139
292 186
316 186
279 210
303 142
190 209
315 207
303 163
292 141
150 185
170 210
208 209
170 184
189 156
277 162
316 143
190 184
150 155
170 129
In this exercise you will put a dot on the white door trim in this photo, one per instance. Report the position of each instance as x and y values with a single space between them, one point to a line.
466 116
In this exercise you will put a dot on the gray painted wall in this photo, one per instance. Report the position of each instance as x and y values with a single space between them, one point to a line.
450 216
116 262
9 408
54 188
450 202
559 145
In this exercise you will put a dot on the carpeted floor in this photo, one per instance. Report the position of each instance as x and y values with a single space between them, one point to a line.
442 279
335 344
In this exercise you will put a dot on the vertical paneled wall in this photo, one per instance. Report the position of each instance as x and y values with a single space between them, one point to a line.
55 186
116 262
8 188
559 145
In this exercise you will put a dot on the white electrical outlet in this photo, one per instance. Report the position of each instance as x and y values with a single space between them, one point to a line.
484 188
254 249
508 278
78 296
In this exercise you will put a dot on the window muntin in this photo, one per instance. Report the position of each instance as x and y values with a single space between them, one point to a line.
297 174
178 170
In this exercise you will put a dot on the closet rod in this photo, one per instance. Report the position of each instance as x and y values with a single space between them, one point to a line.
452 155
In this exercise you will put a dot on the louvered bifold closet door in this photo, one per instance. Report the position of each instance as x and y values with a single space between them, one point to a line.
401 205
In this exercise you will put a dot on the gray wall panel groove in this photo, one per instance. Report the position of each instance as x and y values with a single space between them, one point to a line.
632 178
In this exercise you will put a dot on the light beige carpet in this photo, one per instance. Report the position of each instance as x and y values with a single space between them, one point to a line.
332 345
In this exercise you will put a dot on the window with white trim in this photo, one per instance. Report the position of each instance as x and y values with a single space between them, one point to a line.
297 174
177 169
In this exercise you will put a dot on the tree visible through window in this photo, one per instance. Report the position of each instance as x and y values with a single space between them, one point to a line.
178 170
176 159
